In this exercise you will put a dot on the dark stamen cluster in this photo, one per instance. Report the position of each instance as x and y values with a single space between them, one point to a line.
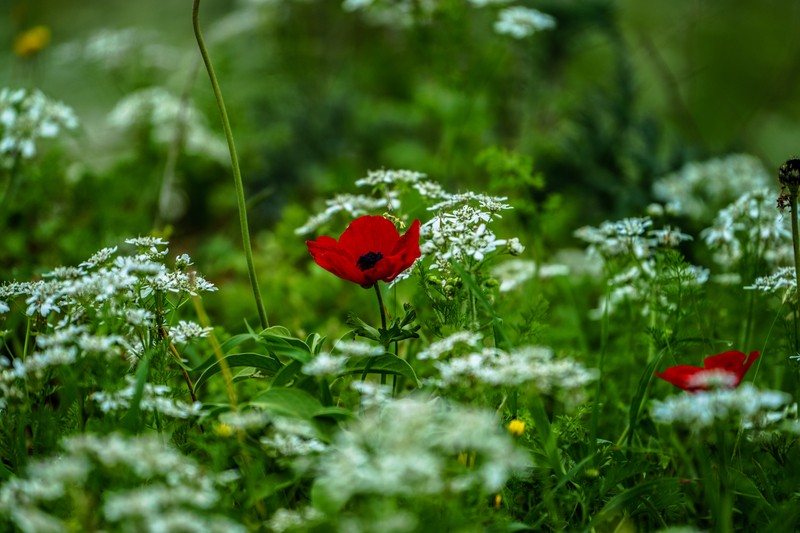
789 172
368 260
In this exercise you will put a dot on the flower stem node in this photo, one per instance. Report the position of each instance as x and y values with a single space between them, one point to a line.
789 173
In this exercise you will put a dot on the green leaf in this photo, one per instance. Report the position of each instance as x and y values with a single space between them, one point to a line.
131 420
641 392
326 498
267 364
286 374
632 497
314 342
338 413
382 364
286 346
361 328
235 341
296 403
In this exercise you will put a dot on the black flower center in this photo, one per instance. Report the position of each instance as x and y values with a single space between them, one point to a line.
368 260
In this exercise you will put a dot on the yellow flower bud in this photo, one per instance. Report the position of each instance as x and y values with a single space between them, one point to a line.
31 42
516 427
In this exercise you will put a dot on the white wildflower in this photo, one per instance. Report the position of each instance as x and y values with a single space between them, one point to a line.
446 345
372 394
371 457
782 281
325 364
186 331
700 187
359 348
27 116
700 410
535 365
160 110
520 22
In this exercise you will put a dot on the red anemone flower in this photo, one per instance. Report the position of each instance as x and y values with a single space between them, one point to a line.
727 368
370 250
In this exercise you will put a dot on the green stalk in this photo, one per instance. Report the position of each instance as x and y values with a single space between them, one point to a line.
380 305
796 248
237 175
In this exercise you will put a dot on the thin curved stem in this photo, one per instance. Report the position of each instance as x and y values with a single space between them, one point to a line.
237 175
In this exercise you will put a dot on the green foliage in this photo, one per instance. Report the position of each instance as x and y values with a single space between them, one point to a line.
509 385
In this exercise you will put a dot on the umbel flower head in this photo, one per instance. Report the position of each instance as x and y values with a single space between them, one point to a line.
724 370
370 250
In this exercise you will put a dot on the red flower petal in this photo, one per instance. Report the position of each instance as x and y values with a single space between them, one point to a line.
680 376
733 362
367 235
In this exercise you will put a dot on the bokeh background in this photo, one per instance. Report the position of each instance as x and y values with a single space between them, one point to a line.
618 94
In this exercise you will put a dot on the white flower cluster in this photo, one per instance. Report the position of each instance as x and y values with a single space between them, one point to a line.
520 22
409 447
26 116
517 21
782 281
135 484
357 348
154 399
291 520
533 365
459 231
291 438
632 247
244 420
750 226
325 364
160 110
61 347
448 344
111 288
187 331
373 395
700 188
353 205
119 282
702 409
514 273
118 49
392 13
629 237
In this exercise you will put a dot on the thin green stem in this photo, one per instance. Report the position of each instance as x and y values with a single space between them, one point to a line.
237 175
796 248
380 305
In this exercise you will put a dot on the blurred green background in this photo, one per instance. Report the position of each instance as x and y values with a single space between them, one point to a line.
616 95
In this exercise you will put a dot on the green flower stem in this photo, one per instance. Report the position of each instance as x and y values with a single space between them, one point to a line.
796 248
237 175
380 305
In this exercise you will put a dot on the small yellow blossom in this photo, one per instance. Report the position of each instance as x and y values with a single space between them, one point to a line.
32 41
223 430
498 501
516 427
